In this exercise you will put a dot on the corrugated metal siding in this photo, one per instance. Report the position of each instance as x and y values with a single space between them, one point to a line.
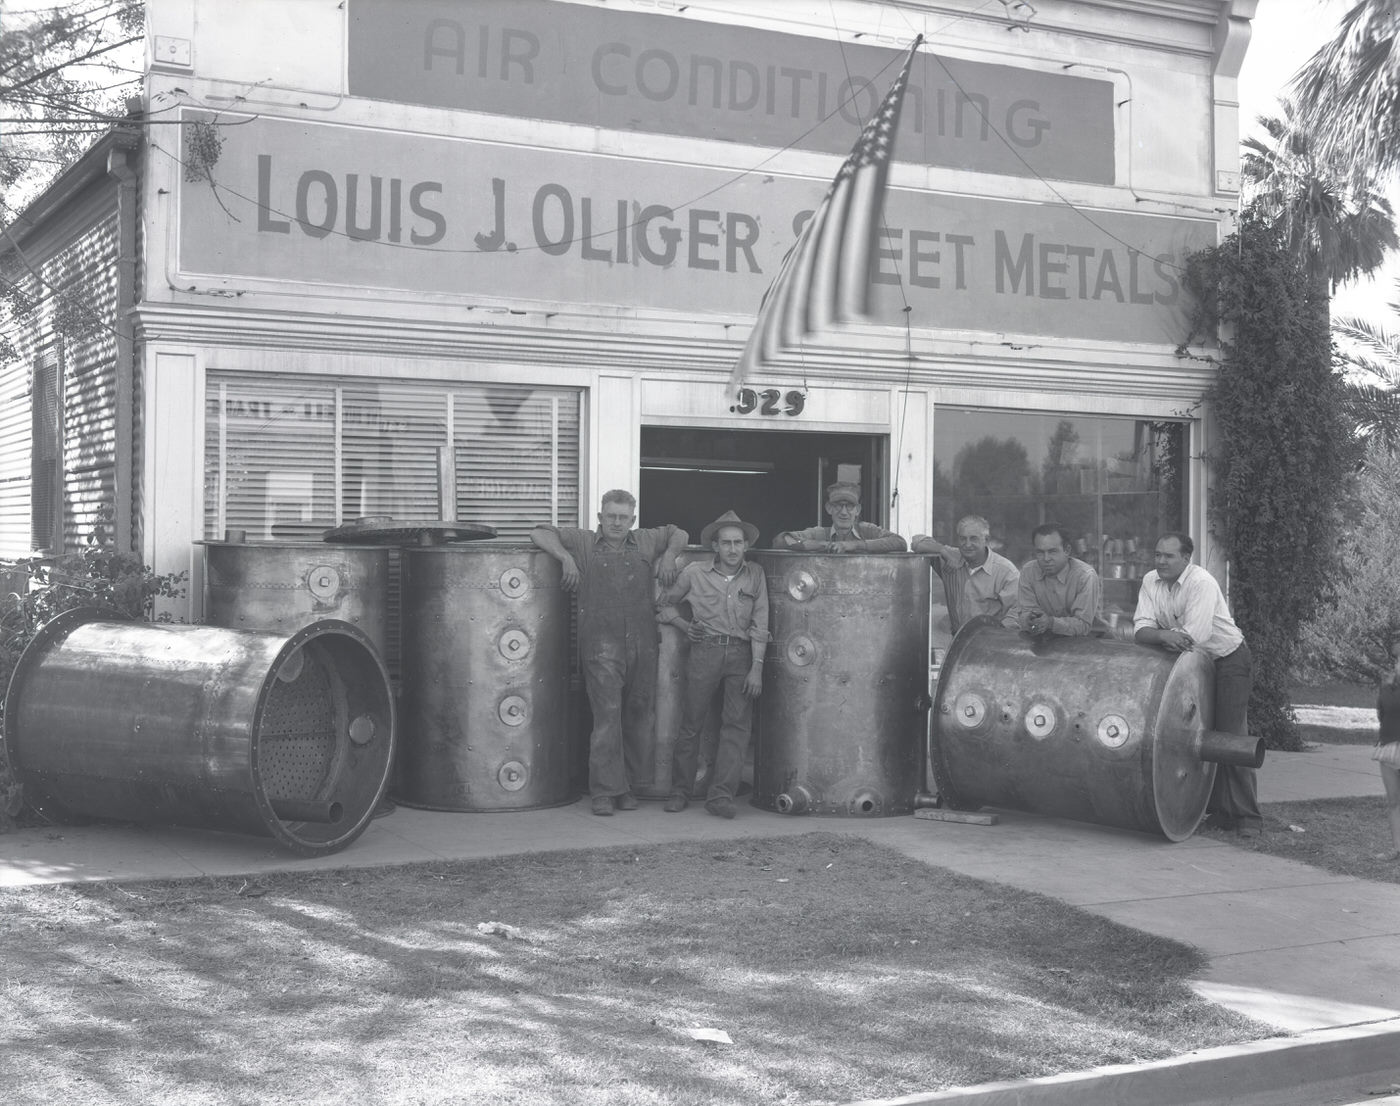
15 419
74 307
87 271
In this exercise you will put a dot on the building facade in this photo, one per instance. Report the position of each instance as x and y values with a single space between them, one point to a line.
483 261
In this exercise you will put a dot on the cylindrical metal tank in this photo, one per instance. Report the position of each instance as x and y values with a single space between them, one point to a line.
485 680
281 735
845 695
1089 728
282 586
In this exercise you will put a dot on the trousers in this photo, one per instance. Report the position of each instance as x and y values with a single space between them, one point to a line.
1236 792
710 668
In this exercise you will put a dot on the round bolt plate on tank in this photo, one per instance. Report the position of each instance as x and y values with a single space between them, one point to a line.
514 711
1114 731
970 710
801 651
1040 721
515 582
514 644
801 585
513 775
323 582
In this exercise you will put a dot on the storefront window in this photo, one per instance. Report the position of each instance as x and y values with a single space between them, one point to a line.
290 457
1115 483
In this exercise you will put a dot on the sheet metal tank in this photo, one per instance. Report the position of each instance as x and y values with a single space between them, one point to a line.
282 586
485 680
845 695
281 735
1094 729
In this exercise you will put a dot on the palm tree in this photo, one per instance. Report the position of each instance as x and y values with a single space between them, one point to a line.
1370 361
1349 91
1339 227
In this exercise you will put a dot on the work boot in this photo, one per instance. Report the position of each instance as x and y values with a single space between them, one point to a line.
627 801
603 805
722 807
676 803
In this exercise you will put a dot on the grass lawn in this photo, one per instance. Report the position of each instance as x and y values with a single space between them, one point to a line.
1339 835
840 970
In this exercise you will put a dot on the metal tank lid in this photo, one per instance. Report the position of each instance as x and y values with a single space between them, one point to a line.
386 530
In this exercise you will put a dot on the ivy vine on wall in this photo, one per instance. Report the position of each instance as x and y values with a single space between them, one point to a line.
1282 454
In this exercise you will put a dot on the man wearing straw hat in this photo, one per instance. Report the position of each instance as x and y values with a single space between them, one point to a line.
728 634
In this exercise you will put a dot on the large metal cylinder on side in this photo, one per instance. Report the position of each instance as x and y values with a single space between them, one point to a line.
282 735
845 695
1093 729
485 680
282 586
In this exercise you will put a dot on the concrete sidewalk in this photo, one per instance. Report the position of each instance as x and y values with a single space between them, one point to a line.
1289 945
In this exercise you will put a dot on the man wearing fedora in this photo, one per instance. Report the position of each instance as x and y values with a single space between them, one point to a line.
728 634
846 534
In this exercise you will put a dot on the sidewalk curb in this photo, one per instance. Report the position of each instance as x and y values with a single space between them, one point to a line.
1277 1070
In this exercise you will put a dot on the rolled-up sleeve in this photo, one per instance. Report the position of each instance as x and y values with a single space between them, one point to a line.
758 622
879 540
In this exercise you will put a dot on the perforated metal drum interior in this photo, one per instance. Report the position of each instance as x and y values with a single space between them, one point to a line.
298 743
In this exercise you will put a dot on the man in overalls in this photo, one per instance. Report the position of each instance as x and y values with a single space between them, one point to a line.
613 570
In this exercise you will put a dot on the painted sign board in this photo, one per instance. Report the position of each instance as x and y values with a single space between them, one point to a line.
661 74
357 207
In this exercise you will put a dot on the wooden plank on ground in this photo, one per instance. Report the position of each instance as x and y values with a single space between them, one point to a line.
970 817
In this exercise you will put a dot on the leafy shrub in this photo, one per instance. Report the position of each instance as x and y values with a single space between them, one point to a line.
37 589
1347 638
1285 449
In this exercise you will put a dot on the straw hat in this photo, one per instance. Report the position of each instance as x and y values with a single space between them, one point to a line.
729 518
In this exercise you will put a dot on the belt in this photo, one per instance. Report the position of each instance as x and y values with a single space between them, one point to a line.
724 639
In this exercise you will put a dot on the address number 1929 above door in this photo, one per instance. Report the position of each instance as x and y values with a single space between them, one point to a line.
770 401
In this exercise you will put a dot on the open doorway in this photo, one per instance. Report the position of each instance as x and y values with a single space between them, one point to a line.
774 479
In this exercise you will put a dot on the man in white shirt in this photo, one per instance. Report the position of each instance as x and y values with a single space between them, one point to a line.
1181 608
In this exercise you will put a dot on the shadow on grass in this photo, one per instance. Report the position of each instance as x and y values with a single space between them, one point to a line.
841 970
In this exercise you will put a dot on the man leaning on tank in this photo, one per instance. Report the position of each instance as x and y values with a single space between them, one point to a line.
728 632
1058 593
613 569
977 580
846 534
1181 608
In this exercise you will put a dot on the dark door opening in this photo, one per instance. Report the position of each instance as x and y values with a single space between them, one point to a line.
774 479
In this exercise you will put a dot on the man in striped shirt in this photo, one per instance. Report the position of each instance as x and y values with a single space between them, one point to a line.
1181 608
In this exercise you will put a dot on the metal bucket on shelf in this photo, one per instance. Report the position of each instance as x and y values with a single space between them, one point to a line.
845 698
282 586
1089 728
281 735
485 680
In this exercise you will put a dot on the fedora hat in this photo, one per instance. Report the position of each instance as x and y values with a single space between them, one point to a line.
729 518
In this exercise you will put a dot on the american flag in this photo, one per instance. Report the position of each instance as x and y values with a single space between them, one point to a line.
824 279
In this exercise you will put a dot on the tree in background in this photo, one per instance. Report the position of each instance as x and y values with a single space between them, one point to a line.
1349 91
62 84
1369 357
1286 449
1339 226
1347 638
